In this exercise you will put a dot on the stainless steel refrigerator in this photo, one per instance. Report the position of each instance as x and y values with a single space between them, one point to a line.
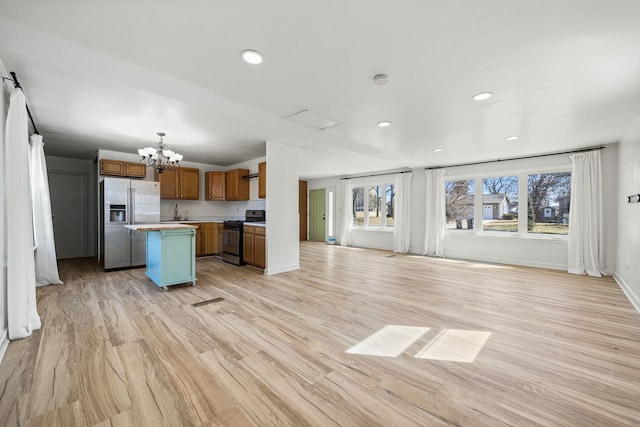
126 201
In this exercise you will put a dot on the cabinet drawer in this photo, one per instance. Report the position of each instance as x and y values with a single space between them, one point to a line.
260 230
249 229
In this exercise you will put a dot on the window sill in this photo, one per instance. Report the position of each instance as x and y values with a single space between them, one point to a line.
508 235
384 230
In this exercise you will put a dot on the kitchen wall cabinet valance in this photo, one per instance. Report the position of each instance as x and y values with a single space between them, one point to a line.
237 187
262 180
181 183
122 168
215 186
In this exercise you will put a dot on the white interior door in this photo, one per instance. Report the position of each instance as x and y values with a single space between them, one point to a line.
68 207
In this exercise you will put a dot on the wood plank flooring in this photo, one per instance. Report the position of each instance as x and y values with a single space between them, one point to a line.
115 350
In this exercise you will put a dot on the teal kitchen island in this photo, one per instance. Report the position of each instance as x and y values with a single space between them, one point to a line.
171 253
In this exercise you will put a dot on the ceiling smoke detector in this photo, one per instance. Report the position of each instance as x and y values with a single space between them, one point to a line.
313 120
381 79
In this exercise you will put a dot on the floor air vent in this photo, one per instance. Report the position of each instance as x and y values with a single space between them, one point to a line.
208 301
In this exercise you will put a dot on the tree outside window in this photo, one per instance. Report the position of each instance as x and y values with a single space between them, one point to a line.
459 200
374 206
549 200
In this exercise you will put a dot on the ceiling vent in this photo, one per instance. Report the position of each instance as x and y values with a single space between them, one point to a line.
313 120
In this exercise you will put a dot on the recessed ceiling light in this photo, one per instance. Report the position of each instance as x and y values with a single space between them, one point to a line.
437 150
482 96
384 124
511 138
251 56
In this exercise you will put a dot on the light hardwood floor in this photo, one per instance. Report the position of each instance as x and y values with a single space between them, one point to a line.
115 350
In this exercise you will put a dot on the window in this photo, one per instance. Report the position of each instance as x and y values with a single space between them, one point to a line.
548 201
500 204
374 206
459 200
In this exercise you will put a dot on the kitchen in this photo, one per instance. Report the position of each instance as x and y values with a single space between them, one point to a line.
211 198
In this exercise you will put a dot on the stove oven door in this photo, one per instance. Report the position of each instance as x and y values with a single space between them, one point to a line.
231 241
232 246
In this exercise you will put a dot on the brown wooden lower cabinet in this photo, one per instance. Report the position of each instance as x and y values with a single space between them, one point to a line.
208 238
254 245
220 239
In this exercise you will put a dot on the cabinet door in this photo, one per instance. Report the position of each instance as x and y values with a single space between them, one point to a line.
210 237
260 247
199 239
243 184
168 184
220 238
232 185
189 183
248 240
135 170
111 167
214 183
262 180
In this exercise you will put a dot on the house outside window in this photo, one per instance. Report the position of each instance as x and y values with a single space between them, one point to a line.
374 206
500 203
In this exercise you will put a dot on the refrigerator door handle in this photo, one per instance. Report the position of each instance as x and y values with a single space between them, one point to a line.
133 205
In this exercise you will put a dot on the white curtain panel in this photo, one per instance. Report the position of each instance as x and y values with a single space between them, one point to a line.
22 314
402 214
435 214
347 211
585 216
45 255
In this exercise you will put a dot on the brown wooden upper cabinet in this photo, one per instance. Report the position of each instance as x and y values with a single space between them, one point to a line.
122 168
180 183
214 186
262 180
237 186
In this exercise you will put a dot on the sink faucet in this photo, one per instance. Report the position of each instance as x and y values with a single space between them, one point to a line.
176 217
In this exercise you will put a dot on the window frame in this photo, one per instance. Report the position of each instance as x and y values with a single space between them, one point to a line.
523 196
366 185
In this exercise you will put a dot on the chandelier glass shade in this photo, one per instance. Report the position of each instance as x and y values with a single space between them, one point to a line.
160 158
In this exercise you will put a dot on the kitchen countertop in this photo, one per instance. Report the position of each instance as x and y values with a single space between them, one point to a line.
158 227
257 224
190 221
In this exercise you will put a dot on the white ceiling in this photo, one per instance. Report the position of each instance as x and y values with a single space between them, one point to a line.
102 74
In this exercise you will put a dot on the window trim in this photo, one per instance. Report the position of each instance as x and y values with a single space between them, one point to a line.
383 221
522 174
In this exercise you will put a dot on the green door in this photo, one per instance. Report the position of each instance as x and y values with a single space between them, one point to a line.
317 215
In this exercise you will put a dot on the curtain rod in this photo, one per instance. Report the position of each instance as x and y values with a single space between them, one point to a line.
374 174
17 85
518 158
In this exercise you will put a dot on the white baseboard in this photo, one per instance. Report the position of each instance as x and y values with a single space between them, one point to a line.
631 295
4 343
271 271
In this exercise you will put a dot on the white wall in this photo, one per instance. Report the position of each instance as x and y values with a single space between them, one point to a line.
283 245
537 251
4 104
81 166
627 272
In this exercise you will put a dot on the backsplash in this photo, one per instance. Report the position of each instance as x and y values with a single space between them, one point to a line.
206 210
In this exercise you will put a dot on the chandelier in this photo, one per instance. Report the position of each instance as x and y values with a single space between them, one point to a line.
159 158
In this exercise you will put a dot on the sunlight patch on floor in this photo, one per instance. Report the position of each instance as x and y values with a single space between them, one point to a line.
390 341
455 345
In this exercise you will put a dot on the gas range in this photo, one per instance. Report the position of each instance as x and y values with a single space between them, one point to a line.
232 246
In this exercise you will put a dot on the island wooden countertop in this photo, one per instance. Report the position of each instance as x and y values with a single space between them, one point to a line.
158 227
